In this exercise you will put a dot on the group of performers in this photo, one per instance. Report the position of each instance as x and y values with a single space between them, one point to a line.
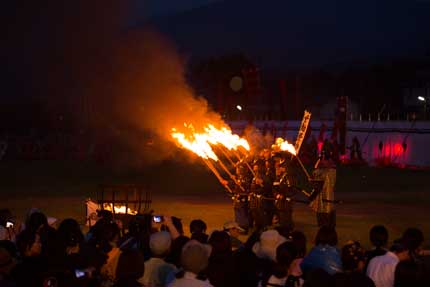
266 188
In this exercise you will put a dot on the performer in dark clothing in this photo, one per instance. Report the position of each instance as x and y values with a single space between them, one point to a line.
284 192
261 198
240 198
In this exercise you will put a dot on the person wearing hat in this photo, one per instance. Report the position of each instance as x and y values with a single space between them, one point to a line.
194 260
233 229
157 269
265 248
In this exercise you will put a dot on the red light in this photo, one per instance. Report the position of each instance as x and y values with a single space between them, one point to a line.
343 158
320 145
398 149
387 152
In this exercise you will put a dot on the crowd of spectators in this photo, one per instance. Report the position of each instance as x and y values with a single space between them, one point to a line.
143 252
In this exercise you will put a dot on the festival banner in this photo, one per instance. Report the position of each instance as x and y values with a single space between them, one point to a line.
302 131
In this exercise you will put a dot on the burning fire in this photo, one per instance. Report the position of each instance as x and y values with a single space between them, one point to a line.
285 146
200 142
119 209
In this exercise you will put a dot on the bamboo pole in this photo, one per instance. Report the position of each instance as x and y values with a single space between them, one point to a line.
226 155
216 173
230 174
246 163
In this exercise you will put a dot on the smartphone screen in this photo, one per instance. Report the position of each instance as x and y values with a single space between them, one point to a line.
79 273
157 218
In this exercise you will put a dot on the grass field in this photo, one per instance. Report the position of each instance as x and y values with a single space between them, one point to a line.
397 198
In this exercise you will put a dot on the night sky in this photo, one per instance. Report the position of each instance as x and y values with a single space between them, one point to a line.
54 48
300 34
165 7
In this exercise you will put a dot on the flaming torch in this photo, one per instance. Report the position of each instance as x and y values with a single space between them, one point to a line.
201 144
283 145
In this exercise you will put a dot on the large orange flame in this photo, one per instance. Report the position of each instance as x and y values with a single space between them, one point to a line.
119 209
200 142
284 145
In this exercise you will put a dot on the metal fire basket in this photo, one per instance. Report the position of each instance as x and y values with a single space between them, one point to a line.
131 197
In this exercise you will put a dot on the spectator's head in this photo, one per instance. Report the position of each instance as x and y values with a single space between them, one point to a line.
266 247
140 224
107 236
195 256
131 266
220 242
69 236
176 249
285 254
198 226
36 221
160 243
29 244
353 257
326 236
408 274
401 250
198 230
105 215
233 228
299 240
378 236
413 238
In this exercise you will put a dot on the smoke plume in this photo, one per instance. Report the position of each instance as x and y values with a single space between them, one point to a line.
81 62
148 91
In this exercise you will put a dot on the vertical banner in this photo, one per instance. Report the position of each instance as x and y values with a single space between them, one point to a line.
341 112
302 131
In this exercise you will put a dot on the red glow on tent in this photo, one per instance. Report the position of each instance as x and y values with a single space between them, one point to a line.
398 149
387 150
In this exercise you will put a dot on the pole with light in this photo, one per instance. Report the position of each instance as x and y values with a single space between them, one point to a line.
424 100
